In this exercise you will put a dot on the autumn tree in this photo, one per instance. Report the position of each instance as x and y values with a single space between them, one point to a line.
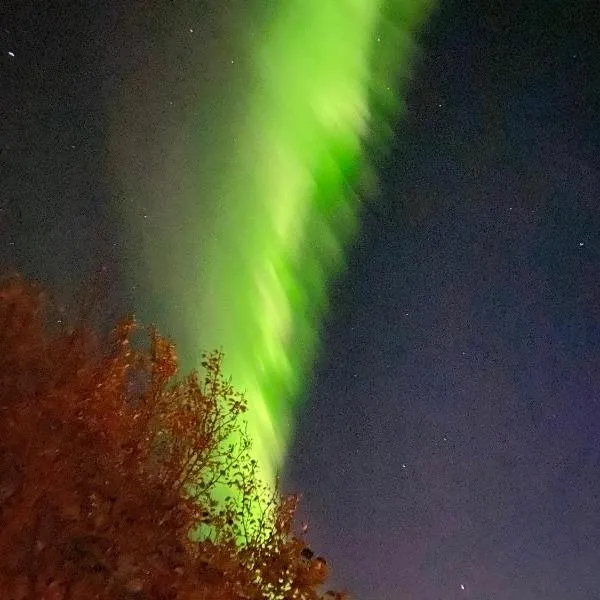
121 479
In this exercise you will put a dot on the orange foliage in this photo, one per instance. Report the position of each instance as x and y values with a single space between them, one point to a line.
108 462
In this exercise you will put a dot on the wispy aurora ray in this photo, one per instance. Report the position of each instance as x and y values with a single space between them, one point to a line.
276 202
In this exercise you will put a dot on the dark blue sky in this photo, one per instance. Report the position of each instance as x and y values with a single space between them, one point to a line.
451 436
451 433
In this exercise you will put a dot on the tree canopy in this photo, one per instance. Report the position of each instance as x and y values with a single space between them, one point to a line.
120 478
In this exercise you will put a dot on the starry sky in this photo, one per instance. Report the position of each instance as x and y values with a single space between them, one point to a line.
449 446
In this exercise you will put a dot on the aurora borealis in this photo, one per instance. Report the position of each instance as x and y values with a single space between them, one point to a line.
266 214
448 432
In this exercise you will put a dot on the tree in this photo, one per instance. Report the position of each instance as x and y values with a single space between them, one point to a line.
112 471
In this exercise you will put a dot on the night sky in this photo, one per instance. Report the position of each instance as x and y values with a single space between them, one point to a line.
449 446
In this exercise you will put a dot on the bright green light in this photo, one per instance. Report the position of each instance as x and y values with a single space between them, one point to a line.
277 204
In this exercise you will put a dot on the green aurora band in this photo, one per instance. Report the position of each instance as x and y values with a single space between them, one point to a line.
257 231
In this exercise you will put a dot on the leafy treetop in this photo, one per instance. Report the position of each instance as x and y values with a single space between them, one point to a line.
120 479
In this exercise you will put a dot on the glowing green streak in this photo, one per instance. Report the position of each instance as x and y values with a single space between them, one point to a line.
318 63
318 85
